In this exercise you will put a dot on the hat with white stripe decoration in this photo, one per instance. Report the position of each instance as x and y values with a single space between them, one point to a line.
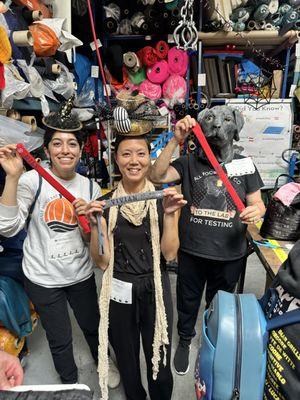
133 114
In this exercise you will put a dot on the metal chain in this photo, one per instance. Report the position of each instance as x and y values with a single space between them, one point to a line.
186 34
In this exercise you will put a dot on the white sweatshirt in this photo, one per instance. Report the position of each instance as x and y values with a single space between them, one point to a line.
54 253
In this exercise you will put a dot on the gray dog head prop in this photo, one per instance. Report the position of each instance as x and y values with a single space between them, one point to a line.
221 125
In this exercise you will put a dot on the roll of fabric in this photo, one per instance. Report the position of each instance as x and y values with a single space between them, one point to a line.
47 67
131 61
174 90
112 17
15 23
162 49
159 72
125 27
137 77
151 90
178 61
147 56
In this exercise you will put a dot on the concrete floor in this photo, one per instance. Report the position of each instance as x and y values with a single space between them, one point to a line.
39 368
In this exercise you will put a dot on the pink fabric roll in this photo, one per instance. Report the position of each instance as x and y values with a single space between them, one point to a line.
178 61
151 90
159 72
174 90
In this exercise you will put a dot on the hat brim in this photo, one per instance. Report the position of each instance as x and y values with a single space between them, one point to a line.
59 128
138 128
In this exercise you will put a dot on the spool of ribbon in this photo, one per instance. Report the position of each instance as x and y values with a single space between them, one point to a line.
131 61
178 61
162 49
151 90
147 56
174 90
217 167
52 181
159 72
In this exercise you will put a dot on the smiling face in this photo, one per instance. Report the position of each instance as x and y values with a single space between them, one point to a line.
64 152
133 160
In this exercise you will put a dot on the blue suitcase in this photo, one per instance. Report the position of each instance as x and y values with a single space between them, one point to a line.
231 363
232 357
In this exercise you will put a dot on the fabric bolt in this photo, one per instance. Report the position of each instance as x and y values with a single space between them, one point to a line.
14 24
159 72
174 89
147 56
151 90
51 304
178 61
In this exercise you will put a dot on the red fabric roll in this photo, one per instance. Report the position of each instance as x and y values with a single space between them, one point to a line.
147 56
162 49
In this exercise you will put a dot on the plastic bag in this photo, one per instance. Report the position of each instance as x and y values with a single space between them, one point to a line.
63 84
13 131
66 40
37 87
15 89
46 42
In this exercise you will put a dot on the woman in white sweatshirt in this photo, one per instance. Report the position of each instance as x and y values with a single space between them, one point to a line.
57 266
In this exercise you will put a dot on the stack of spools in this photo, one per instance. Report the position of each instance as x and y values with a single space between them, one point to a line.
263 15
159 72
296 137
145 17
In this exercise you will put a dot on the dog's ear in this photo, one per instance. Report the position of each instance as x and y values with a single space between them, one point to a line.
202 114
239 120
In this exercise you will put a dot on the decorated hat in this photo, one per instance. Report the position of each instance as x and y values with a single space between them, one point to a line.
133 115
63 120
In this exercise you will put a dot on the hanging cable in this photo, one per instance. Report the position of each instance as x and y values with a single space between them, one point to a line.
97 51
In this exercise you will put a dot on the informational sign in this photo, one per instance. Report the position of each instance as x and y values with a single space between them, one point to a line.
265 135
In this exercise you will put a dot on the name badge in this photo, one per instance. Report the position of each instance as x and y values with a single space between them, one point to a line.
240 167
121 292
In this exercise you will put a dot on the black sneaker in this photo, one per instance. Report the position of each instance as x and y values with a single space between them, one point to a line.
181 359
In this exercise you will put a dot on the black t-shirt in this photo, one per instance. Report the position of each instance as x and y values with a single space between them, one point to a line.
132 244
209 224
283 357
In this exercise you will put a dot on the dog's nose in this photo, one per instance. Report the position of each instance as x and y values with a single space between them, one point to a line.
217 126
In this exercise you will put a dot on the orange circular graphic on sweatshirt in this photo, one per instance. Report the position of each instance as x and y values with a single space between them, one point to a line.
59 215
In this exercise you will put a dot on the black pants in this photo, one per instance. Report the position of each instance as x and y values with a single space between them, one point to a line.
126 324
193 273
51 305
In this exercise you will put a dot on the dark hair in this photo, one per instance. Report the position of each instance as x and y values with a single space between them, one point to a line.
79 135
121 138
